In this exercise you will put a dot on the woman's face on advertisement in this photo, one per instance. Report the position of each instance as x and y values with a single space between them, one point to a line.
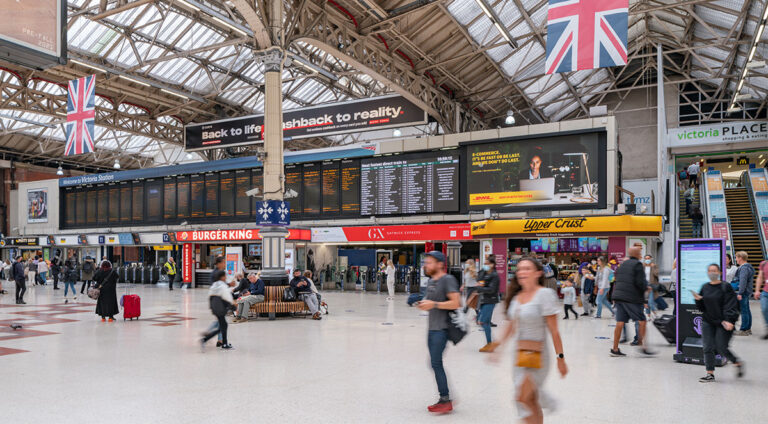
535 162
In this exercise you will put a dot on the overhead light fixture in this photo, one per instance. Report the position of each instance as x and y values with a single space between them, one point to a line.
397 132
740 97
173 93
59 171
734 109
753 64
225 23
188 4
496 21
87 65
311 67
510 119
134 80
117 164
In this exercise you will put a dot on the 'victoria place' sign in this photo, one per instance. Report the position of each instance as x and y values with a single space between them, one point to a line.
727 132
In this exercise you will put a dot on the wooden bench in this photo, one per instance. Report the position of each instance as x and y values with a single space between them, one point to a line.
274 304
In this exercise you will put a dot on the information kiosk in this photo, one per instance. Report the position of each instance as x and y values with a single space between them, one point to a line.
693 258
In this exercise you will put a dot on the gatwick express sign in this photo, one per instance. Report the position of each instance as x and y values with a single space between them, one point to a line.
336 118
727 132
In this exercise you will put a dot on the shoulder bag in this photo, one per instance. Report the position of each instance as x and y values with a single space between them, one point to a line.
289 295
528 351
457 325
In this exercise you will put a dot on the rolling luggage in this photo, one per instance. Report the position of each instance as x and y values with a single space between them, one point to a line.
666 325
661 304
131 306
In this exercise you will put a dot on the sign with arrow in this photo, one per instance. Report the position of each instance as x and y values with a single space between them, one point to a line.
273 212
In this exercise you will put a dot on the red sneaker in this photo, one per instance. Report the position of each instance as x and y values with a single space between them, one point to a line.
441 407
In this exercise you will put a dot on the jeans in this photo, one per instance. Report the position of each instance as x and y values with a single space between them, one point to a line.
436 341
764 306
244 305
214 327
221 329
311 300
651 303
44 276
602 299
55 273
696 229
625 335
715 339
746 314
69 285
21 288
486 313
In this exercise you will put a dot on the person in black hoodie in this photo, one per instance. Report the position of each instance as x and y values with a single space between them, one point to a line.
17 270
629 297
56 264
719 312
488 290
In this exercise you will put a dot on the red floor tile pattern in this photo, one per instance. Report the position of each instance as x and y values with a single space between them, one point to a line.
167 319
33 316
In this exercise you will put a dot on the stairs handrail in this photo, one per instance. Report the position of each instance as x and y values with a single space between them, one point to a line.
753 205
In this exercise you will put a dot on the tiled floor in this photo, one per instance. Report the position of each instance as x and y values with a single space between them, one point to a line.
351 367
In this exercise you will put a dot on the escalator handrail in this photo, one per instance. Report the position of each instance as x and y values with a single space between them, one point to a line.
755 212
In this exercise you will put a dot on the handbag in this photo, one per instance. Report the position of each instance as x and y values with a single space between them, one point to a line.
473 300
94 293
289 295
529 354
457 326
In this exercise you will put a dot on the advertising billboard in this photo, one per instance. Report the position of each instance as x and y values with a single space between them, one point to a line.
37 205
549 172
318 121
33 32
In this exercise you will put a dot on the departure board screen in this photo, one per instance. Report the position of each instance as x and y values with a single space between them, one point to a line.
80 207
311 188
102 199
330 172
114 204
257 180
154 200
242 184
211 195
137 199
350 187
227 194
197 196
408 184
91 207
182 197
169 198
293 185
69 210
125 203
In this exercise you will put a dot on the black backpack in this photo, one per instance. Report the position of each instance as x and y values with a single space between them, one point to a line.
88 266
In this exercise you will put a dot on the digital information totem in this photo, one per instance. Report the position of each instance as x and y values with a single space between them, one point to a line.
693 258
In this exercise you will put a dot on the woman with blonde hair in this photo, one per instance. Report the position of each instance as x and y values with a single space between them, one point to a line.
532 313
468 280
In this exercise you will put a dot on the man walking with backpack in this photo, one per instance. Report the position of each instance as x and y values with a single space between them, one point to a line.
17 271
442 296
629 297
56 264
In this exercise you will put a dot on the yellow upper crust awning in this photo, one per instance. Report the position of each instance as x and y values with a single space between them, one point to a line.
595 225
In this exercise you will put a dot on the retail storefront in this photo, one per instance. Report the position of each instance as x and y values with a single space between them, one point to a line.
352 258
241 248
565 241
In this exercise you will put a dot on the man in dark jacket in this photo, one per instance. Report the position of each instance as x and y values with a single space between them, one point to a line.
629 297
745 276
304 293
488 290
21 283
56 264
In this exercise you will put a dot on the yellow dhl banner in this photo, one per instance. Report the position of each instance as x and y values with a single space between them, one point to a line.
506 197
568 225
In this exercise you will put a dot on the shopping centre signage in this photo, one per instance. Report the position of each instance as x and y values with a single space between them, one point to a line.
234 235
728 132
319 121
22 241
392 233
627 224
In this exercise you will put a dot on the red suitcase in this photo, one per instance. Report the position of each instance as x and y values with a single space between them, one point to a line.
131 306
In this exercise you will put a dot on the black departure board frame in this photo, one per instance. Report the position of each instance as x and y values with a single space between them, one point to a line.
197 196
294 182
311 188
102 200
242 201
169 199
137 202
126 217
257 180
183 198
154 197
227 194
330 181
113 191
211 195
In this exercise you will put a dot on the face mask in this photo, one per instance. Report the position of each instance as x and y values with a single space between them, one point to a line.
648 261
486 267
594 262
713 276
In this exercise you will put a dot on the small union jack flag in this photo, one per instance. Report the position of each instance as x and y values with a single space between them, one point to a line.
586 34
81 111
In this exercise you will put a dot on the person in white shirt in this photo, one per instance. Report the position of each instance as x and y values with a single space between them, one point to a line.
42 270
730 270
390 271
693 174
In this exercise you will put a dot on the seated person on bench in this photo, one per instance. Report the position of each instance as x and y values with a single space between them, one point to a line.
250 296
304 293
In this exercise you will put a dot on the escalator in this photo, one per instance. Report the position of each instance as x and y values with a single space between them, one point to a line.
686 223
744 229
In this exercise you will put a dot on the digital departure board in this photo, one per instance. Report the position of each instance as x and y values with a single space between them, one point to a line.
227 194
91 208
330 196
182 197
154 200
102 197
197 196
114 204
242 184
69 210
311 188
137 201
169 198
257 180
80 207
125 203
409 184
211 195
293 185
350 187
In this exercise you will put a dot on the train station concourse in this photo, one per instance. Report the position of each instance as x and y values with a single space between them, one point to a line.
383 211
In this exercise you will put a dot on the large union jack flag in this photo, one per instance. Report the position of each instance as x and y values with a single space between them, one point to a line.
586 34
81 110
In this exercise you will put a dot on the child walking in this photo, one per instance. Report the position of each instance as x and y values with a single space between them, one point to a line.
220 298
569 297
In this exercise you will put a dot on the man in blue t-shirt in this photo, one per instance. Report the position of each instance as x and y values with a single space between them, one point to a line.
250 296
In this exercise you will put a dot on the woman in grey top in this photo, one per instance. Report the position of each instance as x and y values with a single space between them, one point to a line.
532 312
469 280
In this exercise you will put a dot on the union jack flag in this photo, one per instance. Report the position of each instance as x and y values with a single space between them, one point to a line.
586 34
81 110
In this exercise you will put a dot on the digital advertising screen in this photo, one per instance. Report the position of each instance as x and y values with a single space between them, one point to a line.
33 32
548 172
37 205
410 184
